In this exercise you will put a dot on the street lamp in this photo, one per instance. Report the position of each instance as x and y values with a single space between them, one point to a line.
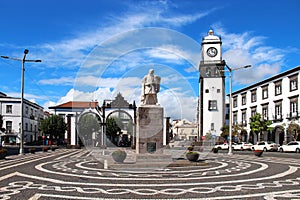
23 60
230 104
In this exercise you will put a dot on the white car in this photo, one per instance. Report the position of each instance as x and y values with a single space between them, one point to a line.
221 146
265 146
242 146
293 146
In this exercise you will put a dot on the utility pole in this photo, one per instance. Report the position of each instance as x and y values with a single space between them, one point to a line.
23 60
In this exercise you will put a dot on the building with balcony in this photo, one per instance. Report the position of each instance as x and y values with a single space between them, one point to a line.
10 109
276 99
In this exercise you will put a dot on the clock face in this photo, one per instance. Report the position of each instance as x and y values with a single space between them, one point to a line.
212 52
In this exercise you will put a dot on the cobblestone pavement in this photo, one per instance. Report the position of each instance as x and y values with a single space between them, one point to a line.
81 174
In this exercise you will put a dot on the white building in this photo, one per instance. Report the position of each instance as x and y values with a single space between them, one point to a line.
211 87
10 109
184 130
72 111
276 98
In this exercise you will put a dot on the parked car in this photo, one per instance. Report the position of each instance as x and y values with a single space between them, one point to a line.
221 146
242 146
265 146
293 146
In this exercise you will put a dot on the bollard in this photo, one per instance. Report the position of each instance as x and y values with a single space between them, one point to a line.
105 164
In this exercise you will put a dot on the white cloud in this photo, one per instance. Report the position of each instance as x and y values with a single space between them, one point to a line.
239 49
244 49
57 81
177 105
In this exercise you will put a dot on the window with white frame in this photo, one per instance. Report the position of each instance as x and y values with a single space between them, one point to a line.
8 126
244 100
8 108
265 92
293 106
244 117
212 105
234 102
278 110
212 126
234 118
253 96
293 83
278 88
265 111
253 111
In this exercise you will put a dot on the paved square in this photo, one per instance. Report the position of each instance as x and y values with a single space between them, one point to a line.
77 174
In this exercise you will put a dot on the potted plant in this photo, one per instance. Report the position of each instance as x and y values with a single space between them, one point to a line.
192 155
215 150
119 156
3 153
258 152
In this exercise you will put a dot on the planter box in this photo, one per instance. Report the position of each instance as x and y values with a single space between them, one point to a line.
192 156
258 152
119 156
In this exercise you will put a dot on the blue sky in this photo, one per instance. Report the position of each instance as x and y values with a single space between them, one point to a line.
93 49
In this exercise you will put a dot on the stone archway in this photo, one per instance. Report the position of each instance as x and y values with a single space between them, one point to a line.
278 134
244 135
125 123
119 105
89 128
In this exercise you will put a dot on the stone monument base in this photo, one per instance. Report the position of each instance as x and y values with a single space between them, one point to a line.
149 129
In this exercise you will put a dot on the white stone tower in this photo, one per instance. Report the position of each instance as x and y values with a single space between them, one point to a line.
212 87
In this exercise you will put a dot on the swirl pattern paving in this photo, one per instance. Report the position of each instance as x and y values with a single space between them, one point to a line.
77 175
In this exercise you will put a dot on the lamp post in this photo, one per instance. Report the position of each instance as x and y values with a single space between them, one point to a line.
23 60
230 104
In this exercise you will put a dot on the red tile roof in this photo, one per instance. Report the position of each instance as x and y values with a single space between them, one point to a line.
76 104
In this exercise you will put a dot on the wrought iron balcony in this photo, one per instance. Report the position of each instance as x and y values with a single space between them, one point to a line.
293 115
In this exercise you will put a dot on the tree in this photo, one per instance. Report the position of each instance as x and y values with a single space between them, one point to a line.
225 131
87 125
54 126
294 130
258 124
112 129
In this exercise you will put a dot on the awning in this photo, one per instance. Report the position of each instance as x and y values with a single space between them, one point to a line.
276 124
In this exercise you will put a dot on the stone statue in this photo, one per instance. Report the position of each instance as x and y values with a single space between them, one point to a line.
150 88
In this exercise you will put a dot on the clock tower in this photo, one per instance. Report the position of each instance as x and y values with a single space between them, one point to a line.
211 87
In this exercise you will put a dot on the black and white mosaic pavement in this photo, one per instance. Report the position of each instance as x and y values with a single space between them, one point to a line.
77 174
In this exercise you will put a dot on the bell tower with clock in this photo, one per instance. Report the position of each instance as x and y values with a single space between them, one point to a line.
211 87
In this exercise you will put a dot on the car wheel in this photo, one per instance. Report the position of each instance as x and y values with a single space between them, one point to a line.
242 149
265 149
281 150
297 150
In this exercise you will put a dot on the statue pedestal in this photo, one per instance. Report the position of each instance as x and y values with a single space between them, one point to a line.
149 138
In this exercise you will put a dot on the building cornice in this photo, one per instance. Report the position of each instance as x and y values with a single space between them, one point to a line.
268 80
